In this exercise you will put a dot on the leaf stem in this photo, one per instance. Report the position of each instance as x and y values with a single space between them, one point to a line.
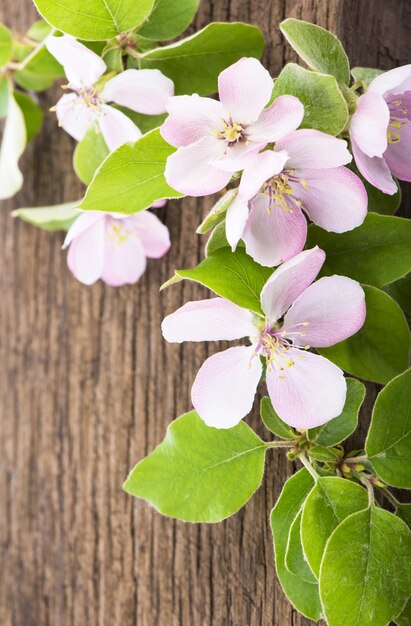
280 444
20 66
308 466
370 489
389 496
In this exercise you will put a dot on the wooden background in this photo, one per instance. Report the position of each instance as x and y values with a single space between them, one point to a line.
87 388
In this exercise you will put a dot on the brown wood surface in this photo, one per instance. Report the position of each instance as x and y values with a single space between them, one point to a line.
87 388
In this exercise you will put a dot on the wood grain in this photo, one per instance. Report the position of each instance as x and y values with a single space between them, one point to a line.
87 388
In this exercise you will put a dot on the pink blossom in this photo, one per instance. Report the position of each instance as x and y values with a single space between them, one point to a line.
304 173
306 389
114 247
380 130
213 138
144 91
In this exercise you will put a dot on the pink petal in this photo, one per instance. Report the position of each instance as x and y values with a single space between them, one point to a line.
238 156
82 223
116 128
398 154
153 234
388 81
215 319
245 88
314 149
235 221
159 204
260 168
273 235
191 118
86 253
331 309
144 91
189 172
369 124
224 389
124 258
335 199
281 118
82 66
74 116
309 393
289 281
375 170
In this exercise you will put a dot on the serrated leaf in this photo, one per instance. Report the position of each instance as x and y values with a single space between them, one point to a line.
231 275
6 45
194 63
218 239
132 177
365 572
328 504
198 473
295 561
12 147
365 75
94 20
33 114
302 595
388 444
380 349
336 430
324 454
168 19
325 107
320 49
273 422
217 213
89 154
376 253
57 217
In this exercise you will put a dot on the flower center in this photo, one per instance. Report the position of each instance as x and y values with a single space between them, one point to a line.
232 132
275 342
90 98
280 191
399 117
118 232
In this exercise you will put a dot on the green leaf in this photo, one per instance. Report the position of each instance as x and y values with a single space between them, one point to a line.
364 75
324 104
6 45
89 154
4 96
195 63
40 72
382 203
379 351
32 112
404 512
320 49
273 422
388 444
58 217
231 275
95 19
144 122
336 430
12 147
324 454
295 560
302 594
198 473
217 213
132 177
376 253
39 30
405 618
401 292
218 239
365 572
169 19
328 504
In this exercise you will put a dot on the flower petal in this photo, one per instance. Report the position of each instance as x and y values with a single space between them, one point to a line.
245 88
81 66
82 223
289 281
273 235
224 389
74 116
314 149
235 221
398 154
191 118
369 124
116 128
86 253
375 170
144 91
153 234
389 80
259 168
331 309
335 199
283 116
309 393
124 258
215 319
189 172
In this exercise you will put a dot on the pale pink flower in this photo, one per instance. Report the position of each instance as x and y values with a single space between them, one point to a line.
87 104
304 173
214 137
306 389
114 247
380 130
